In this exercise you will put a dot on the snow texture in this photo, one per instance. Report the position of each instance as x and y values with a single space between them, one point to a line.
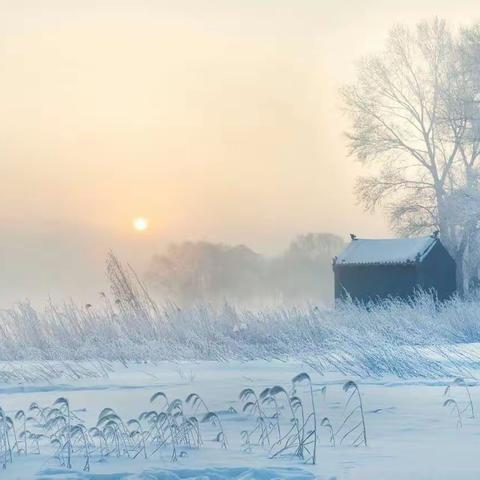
225 473
385 251
410 434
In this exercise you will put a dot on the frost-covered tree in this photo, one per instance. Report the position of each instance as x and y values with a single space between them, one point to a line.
315 246
304 270
201 271
415 115
191 272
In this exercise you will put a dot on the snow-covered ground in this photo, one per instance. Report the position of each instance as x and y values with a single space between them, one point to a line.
410 433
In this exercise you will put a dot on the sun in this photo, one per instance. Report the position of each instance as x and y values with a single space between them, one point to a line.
140 224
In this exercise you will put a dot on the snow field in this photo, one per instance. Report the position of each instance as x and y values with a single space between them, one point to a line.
410 433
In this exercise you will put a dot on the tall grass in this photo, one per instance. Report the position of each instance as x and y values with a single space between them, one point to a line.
170 426
356 416
417 338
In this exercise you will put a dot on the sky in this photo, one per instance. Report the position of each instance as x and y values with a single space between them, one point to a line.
216 120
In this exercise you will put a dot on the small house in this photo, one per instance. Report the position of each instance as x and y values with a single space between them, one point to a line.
375 269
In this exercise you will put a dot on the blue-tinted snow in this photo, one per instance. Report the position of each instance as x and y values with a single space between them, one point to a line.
385 251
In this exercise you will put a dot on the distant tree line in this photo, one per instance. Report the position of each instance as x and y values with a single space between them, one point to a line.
190 272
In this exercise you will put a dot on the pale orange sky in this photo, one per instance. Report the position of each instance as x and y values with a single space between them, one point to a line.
217 120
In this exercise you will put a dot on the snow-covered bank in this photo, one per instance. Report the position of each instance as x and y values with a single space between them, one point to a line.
410 433
414 339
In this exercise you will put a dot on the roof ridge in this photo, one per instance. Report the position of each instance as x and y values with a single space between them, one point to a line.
386 251
397 238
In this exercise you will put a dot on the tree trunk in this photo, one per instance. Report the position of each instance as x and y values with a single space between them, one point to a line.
460 274
450 242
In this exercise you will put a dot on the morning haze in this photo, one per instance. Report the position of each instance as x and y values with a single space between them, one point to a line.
215 120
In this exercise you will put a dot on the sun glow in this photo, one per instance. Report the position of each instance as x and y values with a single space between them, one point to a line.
140 224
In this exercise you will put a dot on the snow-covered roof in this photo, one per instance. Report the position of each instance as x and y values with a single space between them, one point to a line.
392 251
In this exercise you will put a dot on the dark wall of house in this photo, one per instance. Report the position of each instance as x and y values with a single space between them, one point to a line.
438 272
366 283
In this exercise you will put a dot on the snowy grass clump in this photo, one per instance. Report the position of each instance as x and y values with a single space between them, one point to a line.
282 423
417 338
